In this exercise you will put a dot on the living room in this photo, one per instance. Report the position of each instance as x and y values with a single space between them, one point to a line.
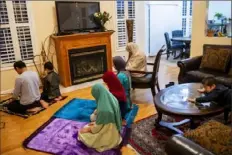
39 20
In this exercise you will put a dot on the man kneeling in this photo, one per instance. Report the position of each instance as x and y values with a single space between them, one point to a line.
26 90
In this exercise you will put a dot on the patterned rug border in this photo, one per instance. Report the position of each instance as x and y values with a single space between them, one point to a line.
133 144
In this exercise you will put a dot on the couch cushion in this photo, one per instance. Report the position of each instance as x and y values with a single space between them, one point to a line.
198 75
213 136
225 80
216 58
145 79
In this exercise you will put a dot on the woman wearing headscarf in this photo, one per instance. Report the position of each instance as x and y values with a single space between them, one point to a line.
124 77
104 134
137 60
116 88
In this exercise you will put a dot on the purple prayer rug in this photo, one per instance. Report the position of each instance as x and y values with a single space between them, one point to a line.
59 136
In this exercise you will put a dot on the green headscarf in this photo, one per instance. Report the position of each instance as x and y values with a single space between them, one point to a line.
107 106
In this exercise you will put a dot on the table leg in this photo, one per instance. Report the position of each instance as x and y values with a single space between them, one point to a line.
192 124
159 118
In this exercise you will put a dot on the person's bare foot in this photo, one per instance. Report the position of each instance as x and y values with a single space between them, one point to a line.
34 110
58 98
44 104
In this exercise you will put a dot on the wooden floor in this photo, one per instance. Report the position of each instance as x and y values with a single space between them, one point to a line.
18 129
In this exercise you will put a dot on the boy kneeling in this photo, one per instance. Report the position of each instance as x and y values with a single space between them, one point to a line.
51 89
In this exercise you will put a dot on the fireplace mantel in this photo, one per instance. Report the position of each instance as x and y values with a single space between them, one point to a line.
76 41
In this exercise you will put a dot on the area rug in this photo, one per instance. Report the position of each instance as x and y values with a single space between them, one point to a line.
59 136
3 108
146 139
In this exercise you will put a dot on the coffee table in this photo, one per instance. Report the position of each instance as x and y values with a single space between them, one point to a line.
172 101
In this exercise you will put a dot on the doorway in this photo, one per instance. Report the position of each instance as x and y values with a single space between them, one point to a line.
163 16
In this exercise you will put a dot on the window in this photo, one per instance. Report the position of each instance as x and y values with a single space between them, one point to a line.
184 8
191 8
219 23
184 26
187 17
15 32
125 10
190 26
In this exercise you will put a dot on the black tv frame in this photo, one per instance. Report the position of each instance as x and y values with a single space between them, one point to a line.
74 30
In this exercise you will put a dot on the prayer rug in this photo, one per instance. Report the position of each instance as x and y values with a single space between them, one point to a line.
77 109
3 108
59 136
81 109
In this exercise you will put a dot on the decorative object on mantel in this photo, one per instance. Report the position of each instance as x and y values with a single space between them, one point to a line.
100 19
39 61
130 27
210 33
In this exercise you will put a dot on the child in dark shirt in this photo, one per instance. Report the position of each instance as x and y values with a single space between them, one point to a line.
217 93
51 90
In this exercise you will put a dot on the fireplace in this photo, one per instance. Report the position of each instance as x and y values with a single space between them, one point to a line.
87 64
83 57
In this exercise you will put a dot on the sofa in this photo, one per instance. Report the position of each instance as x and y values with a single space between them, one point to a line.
216 61
179 145
210 138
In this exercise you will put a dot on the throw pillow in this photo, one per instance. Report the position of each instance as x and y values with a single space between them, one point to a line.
216 59
213 136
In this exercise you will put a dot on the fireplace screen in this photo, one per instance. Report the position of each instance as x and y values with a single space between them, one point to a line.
87 64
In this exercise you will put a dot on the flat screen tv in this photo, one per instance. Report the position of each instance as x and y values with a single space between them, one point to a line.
75 16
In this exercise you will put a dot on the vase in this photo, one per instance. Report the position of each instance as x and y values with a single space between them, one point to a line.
102 28
130 27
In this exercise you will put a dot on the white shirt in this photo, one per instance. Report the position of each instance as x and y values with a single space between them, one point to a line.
27 87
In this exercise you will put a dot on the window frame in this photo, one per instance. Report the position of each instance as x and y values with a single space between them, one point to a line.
13 29
126 16
187 15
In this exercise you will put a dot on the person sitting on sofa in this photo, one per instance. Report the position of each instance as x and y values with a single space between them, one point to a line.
217 93
26 94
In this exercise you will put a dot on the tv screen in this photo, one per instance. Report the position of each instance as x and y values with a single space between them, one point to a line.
75 16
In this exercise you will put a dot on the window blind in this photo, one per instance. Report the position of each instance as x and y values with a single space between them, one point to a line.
125 10
6 46
15 32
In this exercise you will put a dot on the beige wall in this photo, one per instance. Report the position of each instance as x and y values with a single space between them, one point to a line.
198 30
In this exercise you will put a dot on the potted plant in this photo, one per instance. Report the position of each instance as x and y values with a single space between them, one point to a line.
100 19
210 32
218 15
